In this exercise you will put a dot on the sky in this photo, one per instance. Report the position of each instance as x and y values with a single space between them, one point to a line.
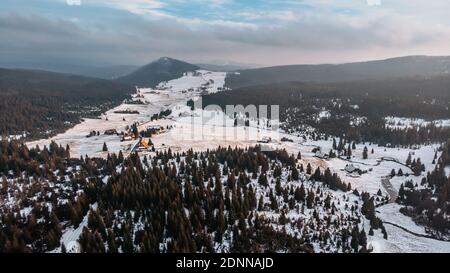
263 32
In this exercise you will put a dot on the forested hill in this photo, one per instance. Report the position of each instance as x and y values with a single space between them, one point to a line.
163 69
326 73
107 72
44 103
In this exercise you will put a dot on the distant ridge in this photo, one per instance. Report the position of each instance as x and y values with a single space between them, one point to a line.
102 72
163 69
409 66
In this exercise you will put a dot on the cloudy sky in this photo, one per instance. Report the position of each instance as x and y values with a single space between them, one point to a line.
266 32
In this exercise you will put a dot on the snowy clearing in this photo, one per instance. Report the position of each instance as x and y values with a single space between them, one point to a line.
404 123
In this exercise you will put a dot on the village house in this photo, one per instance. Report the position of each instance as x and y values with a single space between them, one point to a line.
354 170
265 140
126 137
321 155
111 132
144 145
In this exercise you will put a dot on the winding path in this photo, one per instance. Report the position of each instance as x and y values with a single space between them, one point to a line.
388 159
412 232
387 185
393 194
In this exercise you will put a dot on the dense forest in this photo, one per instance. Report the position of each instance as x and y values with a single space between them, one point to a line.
40 104
356 110
224 200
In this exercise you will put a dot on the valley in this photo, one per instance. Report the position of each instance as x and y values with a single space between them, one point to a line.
224 135
182 130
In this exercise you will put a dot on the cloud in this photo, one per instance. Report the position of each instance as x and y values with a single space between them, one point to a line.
326 32
374 2
137 6
73 2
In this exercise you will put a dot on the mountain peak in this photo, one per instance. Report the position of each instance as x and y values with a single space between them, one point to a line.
162 69
164 59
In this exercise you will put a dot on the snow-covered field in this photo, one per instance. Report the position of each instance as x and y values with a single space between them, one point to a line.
403 123
401 241
157 100
206 129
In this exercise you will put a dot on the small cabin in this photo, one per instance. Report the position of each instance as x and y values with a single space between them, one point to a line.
155 129
126 138
321 155
350 168
111 132
144 143
265 140
353 169
285 139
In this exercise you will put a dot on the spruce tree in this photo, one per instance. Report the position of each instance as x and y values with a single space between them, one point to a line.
365 153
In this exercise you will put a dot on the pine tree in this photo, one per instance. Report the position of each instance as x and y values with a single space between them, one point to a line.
300 194
417 167
363 238
408 160
310 200
341 145
365 153
67 154
262 180
401 192
294 174
120 157
4 189
261 204
282 220
349 152
354 243
317 176
393 173
105 148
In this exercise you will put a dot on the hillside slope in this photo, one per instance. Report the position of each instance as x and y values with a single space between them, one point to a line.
163 69
326 73
44 103
95 71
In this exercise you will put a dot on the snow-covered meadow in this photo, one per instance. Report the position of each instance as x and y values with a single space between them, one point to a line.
408 123
166 96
